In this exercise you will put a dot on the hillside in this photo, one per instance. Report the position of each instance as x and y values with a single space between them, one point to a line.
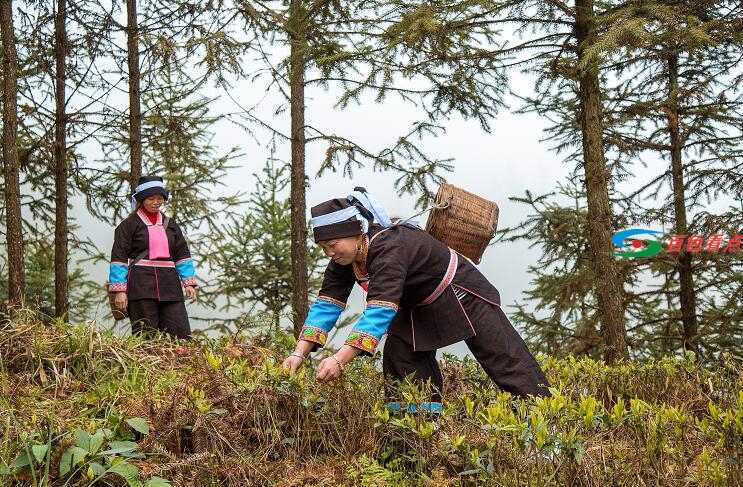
80 407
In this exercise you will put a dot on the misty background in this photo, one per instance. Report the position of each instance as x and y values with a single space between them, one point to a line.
497 165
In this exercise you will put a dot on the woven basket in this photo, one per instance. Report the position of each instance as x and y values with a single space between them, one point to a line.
467 224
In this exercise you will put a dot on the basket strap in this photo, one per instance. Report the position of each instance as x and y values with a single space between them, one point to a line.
397 223
139 257
145 252
451 270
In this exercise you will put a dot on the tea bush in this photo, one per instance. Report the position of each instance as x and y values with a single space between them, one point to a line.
81 407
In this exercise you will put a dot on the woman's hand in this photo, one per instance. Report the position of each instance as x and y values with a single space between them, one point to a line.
296 359
329 369
121 301
292 363
332 367
190 293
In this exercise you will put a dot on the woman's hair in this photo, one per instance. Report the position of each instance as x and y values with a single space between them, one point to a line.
136 208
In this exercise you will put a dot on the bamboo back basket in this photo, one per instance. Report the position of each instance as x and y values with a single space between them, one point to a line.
463 221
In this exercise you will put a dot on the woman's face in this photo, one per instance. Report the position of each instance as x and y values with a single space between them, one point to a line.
341 250
153 203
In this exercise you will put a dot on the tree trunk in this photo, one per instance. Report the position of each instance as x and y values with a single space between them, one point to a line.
135 109
683 264
61 284
14 229
298 203
608 285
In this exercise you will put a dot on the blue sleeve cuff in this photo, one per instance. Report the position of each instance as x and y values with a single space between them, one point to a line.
185 269
117 273
321 318
117 277
371 327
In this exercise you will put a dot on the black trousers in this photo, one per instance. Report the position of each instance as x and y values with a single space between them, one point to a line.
497 346
150 315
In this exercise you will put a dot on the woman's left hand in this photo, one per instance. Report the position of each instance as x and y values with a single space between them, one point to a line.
328 370
331 367
190 293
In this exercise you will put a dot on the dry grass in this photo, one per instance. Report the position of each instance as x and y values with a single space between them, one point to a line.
221 412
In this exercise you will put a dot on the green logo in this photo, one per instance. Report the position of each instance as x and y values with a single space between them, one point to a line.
648 247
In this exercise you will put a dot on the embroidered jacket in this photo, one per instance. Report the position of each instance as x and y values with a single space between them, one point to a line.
406 268
162 279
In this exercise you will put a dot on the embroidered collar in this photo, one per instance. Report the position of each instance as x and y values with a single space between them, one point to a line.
143 216
362 276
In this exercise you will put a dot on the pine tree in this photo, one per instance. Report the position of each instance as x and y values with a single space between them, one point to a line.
11 165
564 315
135 102
600 215
297 19
377 49
557 45
61 254
53 75
41 272
681 102
253 267
561 312
178 132
154 41
635 49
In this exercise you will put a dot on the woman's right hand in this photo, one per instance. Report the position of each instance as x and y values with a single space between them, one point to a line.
121 300
292 363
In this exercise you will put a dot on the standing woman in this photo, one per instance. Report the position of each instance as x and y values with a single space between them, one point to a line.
151 266
420 292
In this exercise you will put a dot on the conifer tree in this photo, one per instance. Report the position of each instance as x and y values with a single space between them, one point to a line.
415 50
557 45
563 315
54 74
681 103
560 314
182 43
253 267
61 253
297 18
600 214
633 45
11 163
135 102
40 273
178 133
